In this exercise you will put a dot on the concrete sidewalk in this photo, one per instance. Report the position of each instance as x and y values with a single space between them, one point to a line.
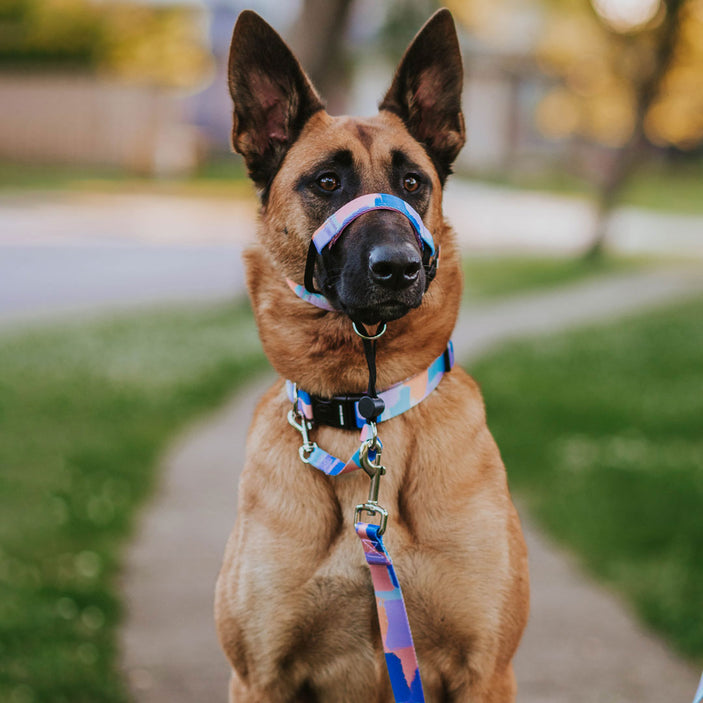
581 645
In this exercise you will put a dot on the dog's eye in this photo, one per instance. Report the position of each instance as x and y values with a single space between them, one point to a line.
411 182
328 182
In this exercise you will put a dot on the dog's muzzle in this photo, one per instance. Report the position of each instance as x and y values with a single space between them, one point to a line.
390 266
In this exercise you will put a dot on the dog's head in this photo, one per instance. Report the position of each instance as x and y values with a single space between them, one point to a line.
308 164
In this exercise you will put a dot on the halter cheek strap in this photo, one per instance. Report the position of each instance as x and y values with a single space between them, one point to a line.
316 299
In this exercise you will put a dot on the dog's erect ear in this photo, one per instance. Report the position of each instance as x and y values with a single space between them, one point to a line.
426 91
273 98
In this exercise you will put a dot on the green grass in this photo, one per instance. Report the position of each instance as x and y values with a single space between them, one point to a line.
85 411
602 434
492 277
659 187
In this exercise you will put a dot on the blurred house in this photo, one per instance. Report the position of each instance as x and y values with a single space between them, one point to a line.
81 119
118 114
102 84
502 86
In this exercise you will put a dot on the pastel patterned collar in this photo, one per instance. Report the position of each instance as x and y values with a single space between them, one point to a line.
343 411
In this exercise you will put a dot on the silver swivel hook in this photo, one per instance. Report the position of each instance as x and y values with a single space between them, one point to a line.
303 425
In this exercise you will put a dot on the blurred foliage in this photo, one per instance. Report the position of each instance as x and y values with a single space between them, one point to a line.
600 66
598 61
403 20
140 43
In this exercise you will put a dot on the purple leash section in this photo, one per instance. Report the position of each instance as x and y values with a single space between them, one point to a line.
401 659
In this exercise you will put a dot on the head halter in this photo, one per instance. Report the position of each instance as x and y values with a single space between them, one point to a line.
331 229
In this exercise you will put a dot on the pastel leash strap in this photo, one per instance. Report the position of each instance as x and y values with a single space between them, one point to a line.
699 693
401 660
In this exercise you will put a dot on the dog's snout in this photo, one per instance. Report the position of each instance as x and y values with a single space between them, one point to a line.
394 266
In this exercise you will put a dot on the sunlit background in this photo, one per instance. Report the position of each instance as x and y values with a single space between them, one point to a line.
123 215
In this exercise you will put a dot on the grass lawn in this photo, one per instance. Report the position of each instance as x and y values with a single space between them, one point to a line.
602 434
492 277
85 411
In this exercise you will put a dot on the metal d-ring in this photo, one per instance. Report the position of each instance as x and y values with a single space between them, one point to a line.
370 337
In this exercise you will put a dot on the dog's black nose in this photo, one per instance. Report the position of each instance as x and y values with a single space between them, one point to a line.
395 266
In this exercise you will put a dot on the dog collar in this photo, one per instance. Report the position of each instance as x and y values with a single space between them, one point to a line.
342 411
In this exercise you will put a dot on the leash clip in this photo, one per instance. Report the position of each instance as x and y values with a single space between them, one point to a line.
375 470
297 420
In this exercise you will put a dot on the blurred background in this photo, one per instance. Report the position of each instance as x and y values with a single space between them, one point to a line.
123 215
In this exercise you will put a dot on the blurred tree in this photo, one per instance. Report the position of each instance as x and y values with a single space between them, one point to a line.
317 38
140 43
631 75
403 20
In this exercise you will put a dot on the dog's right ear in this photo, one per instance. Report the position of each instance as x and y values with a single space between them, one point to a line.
273 98
426 91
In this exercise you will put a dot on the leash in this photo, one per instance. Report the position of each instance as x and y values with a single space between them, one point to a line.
698 698
364 412
401 659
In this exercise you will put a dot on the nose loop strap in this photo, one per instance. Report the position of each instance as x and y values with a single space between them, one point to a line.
331 229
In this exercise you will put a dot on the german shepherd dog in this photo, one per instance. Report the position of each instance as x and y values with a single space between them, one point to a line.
295 606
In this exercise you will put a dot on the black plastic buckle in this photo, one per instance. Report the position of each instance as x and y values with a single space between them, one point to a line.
339 411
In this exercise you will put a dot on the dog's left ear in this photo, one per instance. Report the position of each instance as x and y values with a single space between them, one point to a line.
426 91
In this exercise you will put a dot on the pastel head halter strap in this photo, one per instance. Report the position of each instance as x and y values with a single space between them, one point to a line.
331 229
328 233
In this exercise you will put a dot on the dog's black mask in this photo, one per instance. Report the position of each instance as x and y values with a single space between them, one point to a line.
375 271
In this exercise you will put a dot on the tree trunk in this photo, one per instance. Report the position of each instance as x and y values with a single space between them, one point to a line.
629 156
317 38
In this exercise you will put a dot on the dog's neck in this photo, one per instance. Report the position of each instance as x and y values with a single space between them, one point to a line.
319 350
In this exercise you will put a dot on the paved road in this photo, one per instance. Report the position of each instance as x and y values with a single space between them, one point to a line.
501 219
65 253
581 645
76 254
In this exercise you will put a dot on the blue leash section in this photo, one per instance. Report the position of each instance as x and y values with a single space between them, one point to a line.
698 698
401 660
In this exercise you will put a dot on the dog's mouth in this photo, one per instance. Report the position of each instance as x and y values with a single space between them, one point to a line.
371 315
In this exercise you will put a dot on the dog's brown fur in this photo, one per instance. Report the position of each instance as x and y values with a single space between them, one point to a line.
295 608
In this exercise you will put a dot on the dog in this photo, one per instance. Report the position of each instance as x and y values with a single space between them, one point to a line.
294 606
